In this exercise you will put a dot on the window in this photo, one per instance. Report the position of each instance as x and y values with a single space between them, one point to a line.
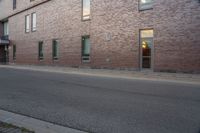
5 28
31 0
27 23
86 9
55 49
14 4
33 21
85 48
14 52
145 4
40 50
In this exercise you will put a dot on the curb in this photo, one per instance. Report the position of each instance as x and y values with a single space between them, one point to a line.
34 124
99 74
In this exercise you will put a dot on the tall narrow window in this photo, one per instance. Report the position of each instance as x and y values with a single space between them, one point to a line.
40 50
55 49
85 48
86 9
14 4
5 28
33 21
27 23
14 52
145 4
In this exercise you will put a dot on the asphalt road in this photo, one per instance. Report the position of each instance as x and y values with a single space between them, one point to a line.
102 105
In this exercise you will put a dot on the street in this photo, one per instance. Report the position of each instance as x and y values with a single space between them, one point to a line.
102 105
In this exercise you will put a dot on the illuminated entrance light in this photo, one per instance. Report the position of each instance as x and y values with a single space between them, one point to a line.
144 45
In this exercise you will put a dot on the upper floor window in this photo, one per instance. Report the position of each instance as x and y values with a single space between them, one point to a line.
5 28
27 23
145 4
14 4
85 9
33 21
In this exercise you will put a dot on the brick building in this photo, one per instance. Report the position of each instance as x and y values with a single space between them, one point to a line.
160 35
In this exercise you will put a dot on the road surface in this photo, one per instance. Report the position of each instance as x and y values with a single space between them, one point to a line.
102 105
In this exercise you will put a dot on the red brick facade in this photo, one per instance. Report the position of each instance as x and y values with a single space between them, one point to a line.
176 26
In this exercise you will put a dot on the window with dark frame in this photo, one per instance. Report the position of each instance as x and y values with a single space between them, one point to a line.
14 52
55 49
145 4
14 4
40 50
33 22
27 23
86 10
86 48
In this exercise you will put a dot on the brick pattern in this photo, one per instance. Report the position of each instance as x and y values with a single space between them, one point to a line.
6 6
176 26
176 39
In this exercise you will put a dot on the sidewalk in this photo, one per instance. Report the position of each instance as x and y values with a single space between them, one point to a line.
32 124
142 75
9 128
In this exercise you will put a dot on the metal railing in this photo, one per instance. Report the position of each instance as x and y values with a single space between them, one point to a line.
6 37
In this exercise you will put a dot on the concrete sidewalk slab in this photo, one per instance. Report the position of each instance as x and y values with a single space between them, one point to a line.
141 75
33 124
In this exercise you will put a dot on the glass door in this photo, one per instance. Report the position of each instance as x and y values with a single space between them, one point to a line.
146 44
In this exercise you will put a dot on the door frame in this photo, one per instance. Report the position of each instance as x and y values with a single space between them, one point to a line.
5 54
141 52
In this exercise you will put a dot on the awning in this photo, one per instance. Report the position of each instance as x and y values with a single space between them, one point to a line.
4 42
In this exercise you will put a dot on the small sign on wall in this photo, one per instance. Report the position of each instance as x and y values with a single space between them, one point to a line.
108 37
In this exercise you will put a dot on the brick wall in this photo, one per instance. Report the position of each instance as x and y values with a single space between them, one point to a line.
176 25
5 8
177 42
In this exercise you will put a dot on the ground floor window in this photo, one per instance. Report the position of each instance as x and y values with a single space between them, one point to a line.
146 43
40 50
55 49
14 52
86 48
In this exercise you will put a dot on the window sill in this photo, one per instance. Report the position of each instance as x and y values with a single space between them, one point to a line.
89 19
85 61
145 9
55 58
